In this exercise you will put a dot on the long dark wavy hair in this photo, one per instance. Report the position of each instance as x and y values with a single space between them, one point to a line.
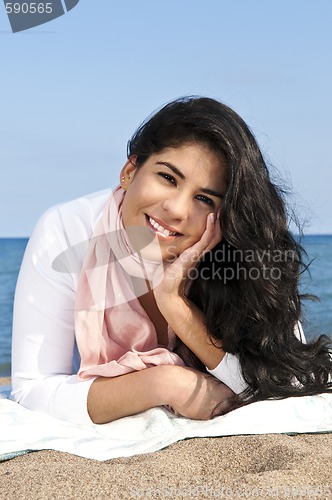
249 292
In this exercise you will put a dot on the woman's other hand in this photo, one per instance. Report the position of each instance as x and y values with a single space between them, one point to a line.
194 394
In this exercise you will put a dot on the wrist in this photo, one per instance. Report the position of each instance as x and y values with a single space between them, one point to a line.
170 302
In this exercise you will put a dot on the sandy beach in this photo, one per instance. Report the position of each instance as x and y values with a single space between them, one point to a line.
264 466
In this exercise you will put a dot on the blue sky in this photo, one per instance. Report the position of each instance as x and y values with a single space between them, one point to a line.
74 90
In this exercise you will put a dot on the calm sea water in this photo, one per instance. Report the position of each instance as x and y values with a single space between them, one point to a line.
11 253
318 314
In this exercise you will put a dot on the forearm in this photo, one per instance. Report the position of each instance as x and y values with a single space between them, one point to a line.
188 323
117 397
191 393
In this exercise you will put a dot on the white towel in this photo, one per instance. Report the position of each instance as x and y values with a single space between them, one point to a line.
23 430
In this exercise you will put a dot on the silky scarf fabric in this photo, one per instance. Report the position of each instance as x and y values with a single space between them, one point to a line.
114 334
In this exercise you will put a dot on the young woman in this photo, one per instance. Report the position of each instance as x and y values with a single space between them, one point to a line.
178 289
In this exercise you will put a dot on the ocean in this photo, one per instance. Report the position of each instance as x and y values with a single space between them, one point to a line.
11 253
318 315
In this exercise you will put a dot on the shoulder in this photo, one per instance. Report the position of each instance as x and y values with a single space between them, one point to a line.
66 226
74 219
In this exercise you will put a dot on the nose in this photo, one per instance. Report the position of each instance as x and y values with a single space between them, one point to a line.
178 205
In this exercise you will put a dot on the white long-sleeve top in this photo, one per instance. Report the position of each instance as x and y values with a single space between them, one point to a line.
45 359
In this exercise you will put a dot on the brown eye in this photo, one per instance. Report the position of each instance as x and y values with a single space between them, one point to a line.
168 177
206 200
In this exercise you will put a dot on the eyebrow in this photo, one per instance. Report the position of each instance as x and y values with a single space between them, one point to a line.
180 174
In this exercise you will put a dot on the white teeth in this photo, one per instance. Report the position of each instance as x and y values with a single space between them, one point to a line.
161 229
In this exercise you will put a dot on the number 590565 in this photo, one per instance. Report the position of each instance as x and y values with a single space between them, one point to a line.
29 8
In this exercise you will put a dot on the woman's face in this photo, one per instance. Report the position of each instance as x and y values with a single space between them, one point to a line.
171 195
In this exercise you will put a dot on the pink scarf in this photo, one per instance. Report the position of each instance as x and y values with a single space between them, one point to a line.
113 332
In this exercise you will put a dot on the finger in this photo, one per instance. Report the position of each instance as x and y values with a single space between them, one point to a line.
211 236
216 236
179 269
209 239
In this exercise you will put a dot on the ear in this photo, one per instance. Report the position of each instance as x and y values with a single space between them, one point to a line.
127 173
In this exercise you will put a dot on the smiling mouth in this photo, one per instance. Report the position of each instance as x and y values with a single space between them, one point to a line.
161 230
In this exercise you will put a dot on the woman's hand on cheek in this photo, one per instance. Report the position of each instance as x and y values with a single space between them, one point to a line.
176 273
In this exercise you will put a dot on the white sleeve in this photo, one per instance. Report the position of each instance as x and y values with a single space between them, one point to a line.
299 333
43 375
229 369
229 372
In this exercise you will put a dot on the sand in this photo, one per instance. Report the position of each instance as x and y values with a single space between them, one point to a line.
264 466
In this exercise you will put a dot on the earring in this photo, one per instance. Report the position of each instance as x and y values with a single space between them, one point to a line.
123 178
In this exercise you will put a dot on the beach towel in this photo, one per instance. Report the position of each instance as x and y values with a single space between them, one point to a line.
23 430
